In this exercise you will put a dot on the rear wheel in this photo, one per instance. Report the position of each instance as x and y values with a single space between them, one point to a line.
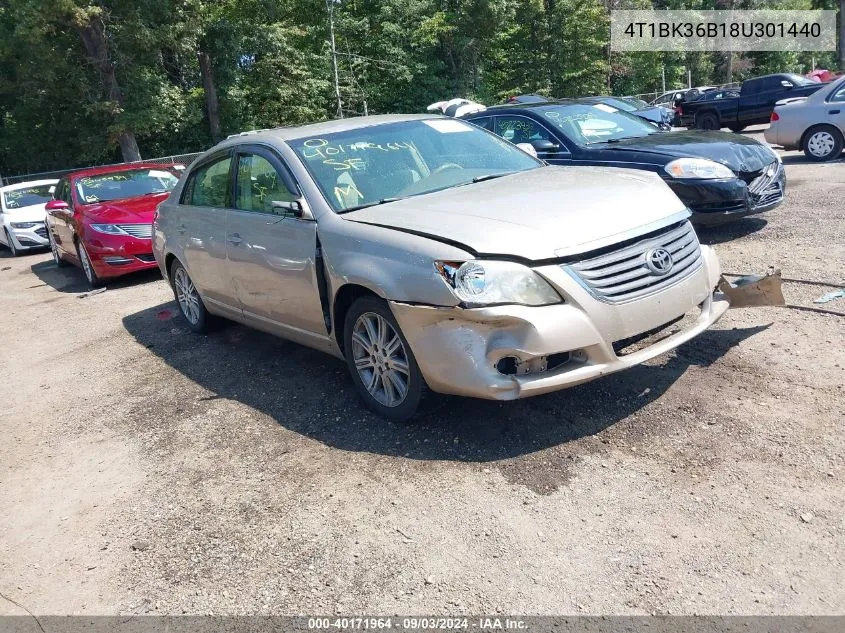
823 143
87 266
380 360
707 121
11 244
189 300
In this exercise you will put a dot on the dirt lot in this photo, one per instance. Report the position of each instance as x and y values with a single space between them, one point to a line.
147 469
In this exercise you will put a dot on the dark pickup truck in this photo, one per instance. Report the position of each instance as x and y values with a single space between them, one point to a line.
754 105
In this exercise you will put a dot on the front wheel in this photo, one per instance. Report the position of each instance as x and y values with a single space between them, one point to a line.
736 129
823 143
189 300
87 266
380 360
11 244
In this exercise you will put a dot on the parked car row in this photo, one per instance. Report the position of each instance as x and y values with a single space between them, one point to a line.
719 176
814 124
432 252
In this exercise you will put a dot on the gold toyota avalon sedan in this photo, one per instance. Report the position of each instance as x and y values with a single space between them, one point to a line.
429 253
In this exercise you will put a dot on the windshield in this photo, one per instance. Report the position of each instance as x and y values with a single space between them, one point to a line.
27 197
598 123
396 160
124 184
620 104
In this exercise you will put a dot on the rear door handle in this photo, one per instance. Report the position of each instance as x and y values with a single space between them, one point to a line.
834 112
234 238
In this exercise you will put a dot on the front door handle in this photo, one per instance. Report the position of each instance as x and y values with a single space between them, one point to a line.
235 239
834 112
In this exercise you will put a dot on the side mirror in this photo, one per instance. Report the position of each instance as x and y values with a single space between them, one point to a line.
786 84
57 205
288 208
528 148
543 145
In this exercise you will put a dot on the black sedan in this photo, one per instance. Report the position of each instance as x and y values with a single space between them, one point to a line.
718 175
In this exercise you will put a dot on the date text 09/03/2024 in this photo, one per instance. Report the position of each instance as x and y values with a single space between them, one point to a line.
418 624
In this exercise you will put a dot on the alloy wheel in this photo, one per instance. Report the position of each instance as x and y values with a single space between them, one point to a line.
87 267
54 248
11 243
381 359
821 144
186 295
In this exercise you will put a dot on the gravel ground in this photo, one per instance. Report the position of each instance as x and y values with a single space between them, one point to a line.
145 469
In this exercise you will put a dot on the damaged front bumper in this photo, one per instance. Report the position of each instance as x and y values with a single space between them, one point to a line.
514 351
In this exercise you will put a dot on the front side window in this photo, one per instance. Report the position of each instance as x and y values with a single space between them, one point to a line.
259 185
838 95
379 163
517 129
27 197
119 185
587 124
209 184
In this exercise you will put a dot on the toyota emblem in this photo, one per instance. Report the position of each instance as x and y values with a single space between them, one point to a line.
659 261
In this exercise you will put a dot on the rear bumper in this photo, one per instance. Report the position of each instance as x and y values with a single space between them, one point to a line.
461 351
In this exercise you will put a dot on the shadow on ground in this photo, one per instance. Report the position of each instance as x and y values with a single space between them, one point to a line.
733 230
310 393
72 280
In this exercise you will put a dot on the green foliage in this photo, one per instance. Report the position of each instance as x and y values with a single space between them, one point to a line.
270 64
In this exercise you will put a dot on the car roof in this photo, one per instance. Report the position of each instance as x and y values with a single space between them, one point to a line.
318 129
109 169
531 106
29 183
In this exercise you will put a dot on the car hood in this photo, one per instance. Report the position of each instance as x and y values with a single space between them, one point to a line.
32 213
138 210
740 153
546 213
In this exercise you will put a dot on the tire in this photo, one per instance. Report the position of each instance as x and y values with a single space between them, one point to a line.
707 121
393 388
87 266
188 298
11 244
822 143
54 249
736 129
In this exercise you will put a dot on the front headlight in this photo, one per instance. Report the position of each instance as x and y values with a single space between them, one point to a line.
24 225
700 168
480 283
108 229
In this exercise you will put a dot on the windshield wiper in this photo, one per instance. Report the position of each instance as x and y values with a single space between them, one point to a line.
492 176
623 138
358 207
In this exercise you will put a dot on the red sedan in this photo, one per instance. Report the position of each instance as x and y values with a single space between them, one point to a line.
100 219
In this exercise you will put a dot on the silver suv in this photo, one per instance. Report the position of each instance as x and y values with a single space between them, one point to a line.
427 252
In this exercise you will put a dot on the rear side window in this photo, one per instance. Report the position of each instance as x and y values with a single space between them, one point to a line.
485 122
208 186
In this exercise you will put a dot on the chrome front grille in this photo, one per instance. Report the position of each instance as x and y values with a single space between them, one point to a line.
622 275
138 230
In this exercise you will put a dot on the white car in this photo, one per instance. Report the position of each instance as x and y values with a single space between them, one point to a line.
22 215
814 124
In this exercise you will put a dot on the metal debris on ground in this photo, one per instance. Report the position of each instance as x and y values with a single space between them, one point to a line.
95 291
830 296
754 290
